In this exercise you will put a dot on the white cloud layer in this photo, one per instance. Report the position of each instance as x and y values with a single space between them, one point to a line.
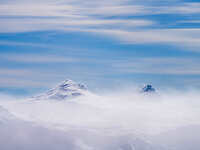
118 121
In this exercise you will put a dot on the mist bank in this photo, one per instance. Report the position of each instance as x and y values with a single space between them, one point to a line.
124 120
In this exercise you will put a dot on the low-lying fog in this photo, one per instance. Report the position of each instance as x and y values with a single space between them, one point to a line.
115 121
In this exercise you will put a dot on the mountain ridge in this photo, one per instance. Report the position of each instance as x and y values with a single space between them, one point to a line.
65 90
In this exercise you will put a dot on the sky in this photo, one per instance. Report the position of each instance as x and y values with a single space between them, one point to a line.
105 44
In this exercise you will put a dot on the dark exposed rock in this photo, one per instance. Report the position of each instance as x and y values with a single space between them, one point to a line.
148 88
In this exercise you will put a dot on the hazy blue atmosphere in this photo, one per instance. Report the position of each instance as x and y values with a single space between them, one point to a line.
104 44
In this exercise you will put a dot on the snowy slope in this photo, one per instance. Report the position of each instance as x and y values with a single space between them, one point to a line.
65 90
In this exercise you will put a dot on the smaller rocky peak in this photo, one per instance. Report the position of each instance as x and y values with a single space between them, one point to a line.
148 89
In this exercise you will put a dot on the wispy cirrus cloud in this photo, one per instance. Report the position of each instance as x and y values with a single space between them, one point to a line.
95 16
182 37
123 21
166 65
33 58
23 16
44 24
14 43
20 78
184 8
42 76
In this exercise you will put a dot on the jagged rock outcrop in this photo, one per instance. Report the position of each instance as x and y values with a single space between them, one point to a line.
148 89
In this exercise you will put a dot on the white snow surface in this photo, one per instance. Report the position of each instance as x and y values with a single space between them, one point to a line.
65 90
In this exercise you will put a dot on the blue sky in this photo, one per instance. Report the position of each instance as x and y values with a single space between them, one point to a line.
105 44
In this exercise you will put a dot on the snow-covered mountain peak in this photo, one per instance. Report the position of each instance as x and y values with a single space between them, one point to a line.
148 89
64 90
71 85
